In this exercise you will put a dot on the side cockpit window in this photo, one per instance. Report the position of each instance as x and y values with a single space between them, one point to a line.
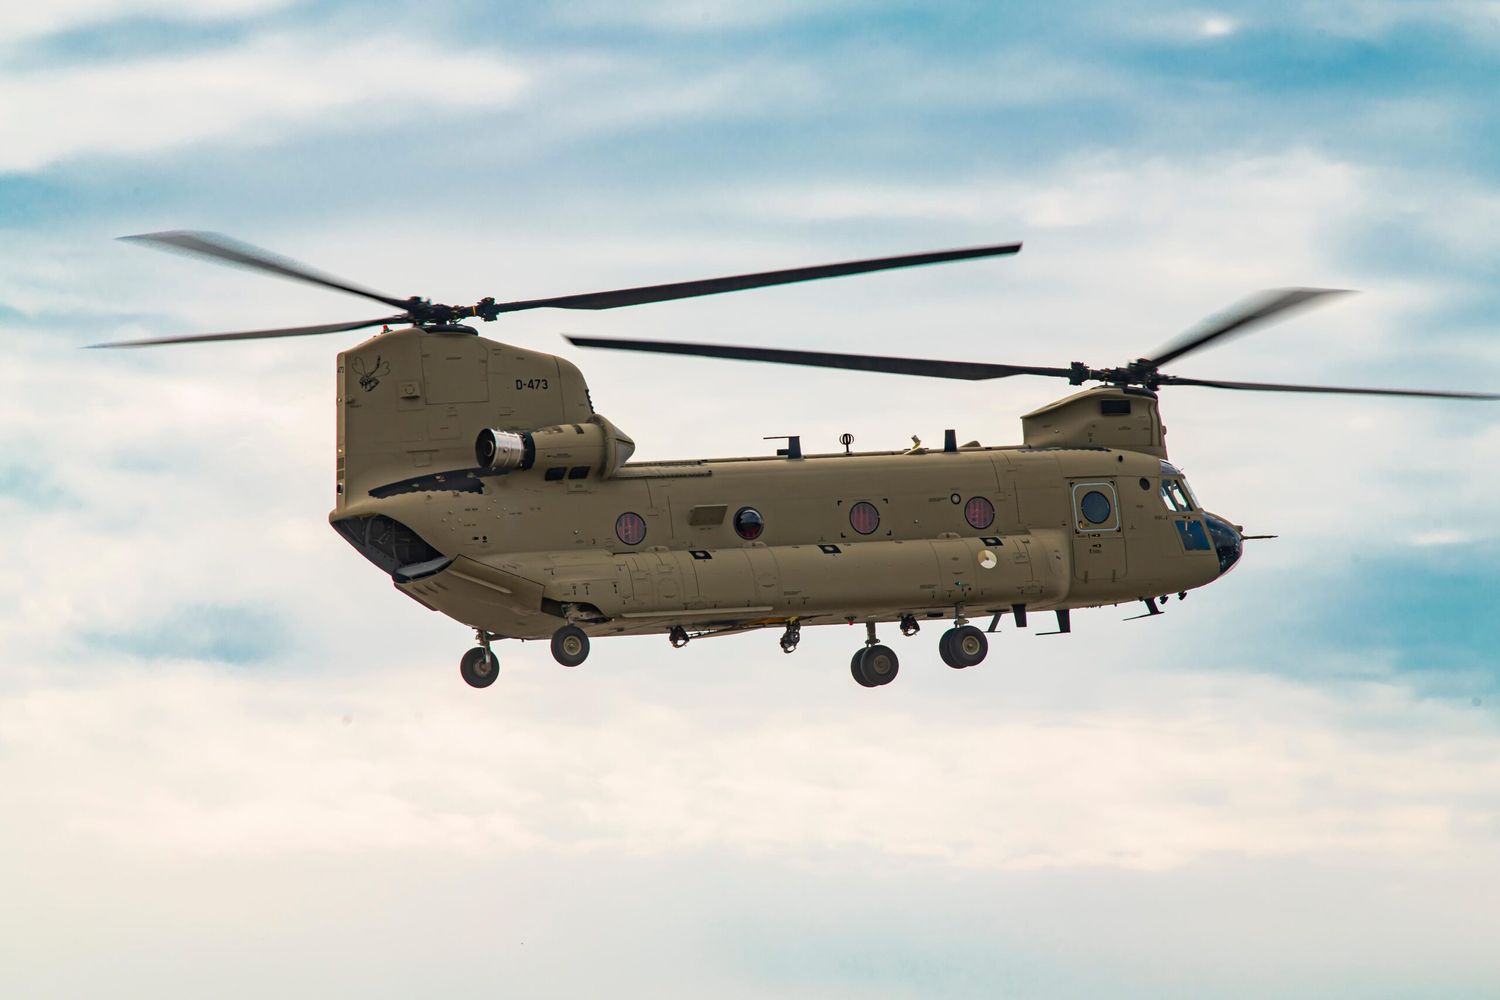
1175 493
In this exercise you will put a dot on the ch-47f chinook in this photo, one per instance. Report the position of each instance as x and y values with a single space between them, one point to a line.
479 477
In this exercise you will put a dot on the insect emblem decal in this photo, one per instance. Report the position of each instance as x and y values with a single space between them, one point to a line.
369 377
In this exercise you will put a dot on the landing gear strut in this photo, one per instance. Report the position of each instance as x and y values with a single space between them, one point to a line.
570 646
479 667
875 665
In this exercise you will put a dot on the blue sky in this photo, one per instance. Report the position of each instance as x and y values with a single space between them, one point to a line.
237 761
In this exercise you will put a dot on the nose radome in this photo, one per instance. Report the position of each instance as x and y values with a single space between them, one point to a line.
1229 543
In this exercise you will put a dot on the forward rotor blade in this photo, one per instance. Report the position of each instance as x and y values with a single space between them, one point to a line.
1254 311
738 282
216 246
1337 389
969 370
290 331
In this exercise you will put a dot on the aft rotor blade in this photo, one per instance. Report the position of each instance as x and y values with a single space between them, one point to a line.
1348 390
290 331
738 282
1240 319
216 246
969 370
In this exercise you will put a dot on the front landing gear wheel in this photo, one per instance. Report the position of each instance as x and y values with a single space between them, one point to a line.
875 666
570 646
962 647
479 667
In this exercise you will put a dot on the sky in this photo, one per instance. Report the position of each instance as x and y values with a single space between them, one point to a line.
236 761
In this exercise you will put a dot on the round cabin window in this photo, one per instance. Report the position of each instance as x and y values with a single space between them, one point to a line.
980 513
748 523
864 517
630 528
1096 507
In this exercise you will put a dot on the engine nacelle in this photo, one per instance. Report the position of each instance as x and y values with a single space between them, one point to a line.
497 449
597 446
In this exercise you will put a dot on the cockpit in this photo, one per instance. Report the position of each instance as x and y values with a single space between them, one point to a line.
1212 532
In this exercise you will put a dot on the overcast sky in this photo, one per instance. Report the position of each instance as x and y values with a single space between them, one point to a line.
237 763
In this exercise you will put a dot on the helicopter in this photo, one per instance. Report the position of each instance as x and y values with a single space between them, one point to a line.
479 477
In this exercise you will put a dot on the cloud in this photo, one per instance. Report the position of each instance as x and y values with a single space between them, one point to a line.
1218 27
687 15
1263 754
1190 767
204 632
25 20
253 93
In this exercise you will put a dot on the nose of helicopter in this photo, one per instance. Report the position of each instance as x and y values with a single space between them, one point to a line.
1229 543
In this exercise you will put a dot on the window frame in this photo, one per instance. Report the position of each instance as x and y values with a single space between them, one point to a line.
1082 524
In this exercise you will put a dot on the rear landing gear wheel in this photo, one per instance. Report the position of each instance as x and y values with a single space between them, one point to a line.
876 665
962 647
854 669
570 646
479 667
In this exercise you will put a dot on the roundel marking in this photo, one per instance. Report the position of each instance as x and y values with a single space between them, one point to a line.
979 512
630 528
748 523
864 517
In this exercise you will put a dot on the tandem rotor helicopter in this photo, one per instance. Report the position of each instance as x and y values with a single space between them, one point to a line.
479 477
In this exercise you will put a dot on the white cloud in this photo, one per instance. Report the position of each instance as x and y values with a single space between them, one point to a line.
687 15
25 20
1188 767
1446 536
255 92
161 812
217 804
1218 27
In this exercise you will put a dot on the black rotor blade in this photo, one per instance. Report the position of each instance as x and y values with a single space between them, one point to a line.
1338 389
290 331
738 282
1252 312
969 370
216 246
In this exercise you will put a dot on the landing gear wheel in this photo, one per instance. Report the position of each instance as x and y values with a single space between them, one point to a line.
859 654
479 667
570 646
876 665
962 647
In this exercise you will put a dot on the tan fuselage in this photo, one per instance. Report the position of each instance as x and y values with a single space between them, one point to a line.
520 553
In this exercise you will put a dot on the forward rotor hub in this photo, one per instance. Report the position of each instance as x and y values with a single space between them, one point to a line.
1141 372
